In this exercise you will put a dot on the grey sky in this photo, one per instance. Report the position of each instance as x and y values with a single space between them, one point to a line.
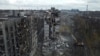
45 4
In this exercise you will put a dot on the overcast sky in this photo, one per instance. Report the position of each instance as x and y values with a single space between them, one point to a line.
45 4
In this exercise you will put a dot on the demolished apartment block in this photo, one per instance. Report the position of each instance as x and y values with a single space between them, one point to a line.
18 37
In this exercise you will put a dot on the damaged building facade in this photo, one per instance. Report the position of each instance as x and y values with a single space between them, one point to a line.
19 35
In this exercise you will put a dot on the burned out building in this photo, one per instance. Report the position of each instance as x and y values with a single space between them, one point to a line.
18 36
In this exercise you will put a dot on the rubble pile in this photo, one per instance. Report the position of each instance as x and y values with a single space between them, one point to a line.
58 47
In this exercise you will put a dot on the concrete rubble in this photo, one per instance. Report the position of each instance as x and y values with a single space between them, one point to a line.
59 46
